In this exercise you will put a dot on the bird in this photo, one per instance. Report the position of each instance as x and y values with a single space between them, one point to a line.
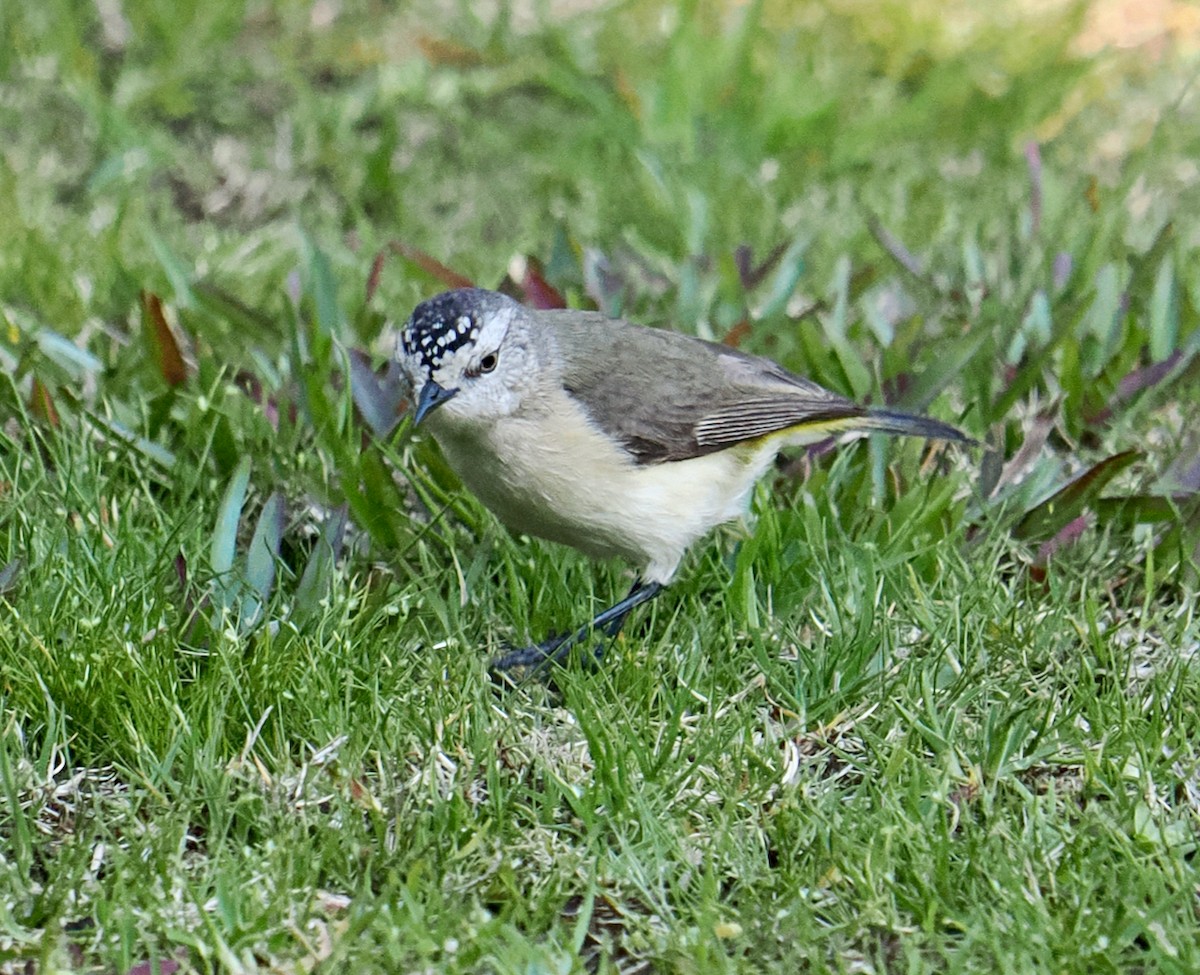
617 439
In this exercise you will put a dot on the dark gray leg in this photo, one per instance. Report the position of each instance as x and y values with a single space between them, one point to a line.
557 649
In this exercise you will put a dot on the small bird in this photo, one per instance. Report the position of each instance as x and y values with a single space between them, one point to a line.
613 438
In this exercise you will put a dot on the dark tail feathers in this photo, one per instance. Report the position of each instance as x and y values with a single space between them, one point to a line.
906 424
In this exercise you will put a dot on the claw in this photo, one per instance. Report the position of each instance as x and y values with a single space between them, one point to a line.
552 651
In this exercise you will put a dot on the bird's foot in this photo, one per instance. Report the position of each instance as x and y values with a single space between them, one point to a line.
554 650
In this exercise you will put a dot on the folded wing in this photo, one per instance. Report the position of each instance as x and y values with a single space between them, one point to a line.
668 397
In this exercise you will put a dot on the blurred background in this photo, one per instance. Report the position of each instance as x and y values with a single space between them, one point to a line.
993 203
145 137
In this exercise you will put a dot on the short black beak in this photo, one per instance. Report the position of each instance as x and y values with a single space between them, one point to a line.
432 396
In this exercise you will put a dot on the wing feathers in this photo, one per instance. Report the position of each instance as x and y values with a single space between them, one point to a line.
666 396
753 418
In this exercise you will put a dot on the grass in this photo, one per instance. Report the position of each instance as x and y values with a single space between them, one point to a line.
929 712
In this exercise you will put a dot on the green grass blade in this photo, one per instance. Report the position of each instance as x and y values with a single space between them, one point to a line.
224 539
262 558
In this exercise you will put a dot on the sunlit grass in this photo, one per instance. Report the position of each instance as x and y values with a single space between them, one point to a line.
930 711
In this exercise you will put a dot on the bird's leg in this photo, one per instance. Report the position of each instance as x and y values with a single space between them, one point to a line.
613 618
608 622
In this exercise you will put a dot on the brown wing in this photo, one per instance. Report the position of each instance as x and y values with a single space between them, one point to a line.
667 396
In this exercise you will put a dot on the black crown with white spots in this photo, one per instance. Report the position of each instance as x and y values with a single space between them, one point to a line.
444 324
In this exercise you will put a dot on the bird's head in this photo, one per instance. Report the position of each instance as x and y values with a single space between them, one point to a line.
470 354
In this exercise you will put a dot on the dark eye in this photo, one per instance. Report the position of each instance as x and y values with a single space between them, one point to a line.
487 363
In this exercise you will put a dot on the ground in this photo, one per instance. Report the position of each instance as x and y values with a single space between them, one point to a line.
930 709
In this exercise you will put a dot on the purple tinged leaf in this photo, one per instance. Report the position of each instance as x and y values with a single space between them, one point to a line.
292 287
1184 471
1065 505
8 576
252 386
1190 478
749 275
892 244
163 966
1033 159
249 384
538 292
1135 382
741 260
1070 533
1139 379
1063 265
380 398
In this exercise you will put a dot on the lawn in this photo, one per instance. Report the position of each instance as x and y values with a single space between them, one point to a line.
931 709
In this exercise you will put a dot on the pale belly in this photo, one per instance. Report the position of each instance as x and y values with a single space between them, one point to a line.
577 488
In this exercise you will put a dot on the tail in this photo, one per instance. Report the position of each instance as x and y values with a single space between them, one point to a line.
908 425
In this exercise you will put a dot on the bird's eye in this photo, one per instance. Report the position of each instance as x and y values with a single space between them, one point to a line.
487 363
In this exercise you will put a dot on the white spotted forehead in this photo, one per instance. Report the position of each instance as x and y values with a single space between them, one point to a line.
453 346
